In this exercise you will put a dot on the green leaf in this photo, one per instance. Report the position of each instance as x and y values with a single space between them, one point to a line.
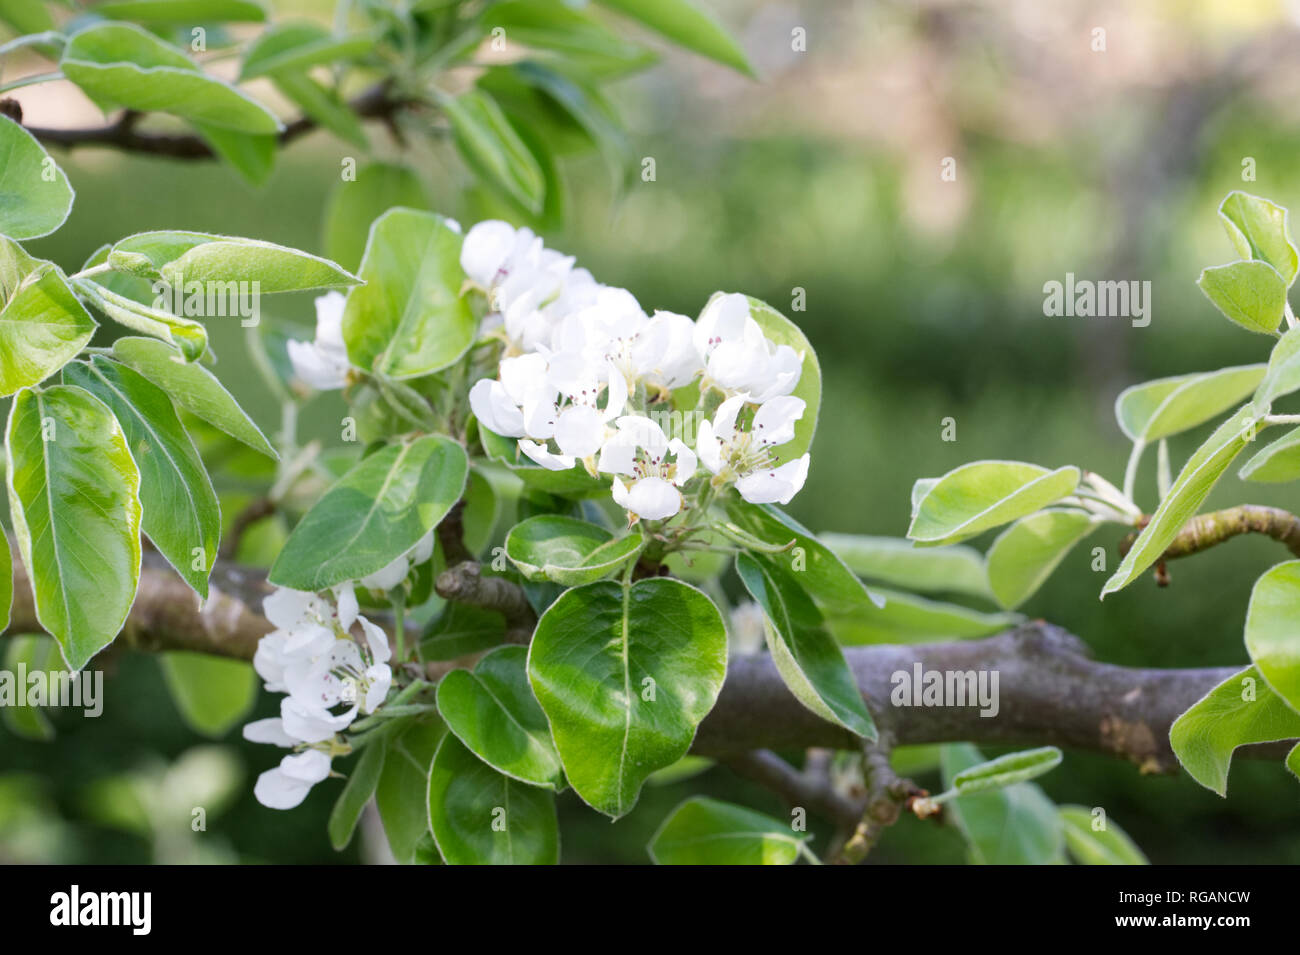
181 513
1018 825
624 675
568 551
908 619
1251 294
190 337
687 26
492 148
480 817
120 64
1167 406
1005 771
25 16
193 388
35 197
300 45
554 25
492 711
956 569
460 630
1271 635
181 257
1283 375
1109 845
1026 553
212 693
1275 462
403 788
252 154
821 573
361 785
806 655
1241 710
703 831
74 499
182 12
354 206
375 513
409 319
983 494
322 104
32 652
1189 491
1257 229
42 324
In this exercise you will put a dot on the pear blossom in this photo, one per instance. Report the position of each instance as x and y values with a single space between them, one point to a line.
658 467
323 364
508 263
287 785
747 457
738 356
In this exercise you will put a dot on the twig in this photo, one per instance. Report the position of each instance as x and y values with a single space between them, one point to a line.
465 583
257 509
809 790
887 795
1209 530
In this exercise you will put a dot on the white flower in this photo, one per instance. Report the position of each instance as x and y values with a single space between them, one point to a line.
665 354
738 356
323 364
388 576
271 731
510 264
287 785
312 724
658 467
747 457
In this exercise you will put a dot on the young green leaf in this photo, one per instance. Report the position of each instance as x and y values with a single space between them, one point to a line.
1276 462
182 257
34 652
1251 294
624 675
188 336
182 12
907 619
1271 629
1005 770
703 831
1167 406
212 694
181 513
1283 375
298 46
375 513
806 655
354 206
555 25
983 494
35 197
123 65
480 817
1189 491
192 387
491 147
1241 710
361 785
323 104
492 711
1026 553
74 497
409 319
1090 845
568 551
42 324
1018 825
955 569
402 791
687 26
1257 230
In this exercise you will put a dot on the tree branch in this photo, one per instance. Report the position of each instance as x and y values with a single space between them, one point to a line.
466 584
122 134
810 790
1050 691
1209 530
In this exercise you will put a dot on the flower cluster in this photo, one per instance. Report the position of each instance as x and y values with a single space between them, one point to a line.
329 675
584 366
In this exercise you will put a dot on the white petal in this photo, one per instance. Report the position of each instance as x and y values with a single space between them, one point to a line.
379 679
494 409
376 640
724 419
710 448
485 249
287 608
274 789
423 549
309 767
652 499
524 377
722 319
315 367
388 576
345 596
579 431
686 461
312 724
774 421
618 454
774 486
329 321
543 456
270 730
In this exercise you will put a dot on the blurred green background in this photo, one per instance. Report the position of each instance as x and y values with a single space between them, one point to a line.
924 301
